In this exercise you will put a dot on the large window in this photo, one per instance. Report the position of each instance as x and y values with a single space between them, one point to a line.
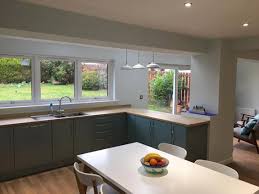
15 79
38 80
57 78
94 80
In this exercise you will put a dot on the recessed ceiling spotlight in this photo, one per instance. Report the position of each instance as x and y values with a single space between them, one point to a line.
188 4
245 24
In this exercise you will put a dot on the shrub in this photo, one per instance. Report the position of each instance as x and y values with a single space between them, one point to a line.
90 81
162 87
57 71
11 71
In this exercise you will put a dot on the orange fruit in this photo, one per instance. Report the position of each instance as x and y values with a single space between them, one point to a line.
153 162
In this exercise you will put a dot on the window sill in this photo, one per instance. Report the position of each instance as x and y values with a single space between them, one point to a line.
44 107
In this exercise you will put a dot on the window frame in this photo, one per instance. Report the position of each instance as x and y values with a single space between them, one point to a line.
21 102
55 59
109 81
36 81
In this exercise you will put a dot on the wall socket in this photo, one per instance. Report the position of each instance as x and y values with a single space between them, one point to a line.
141 97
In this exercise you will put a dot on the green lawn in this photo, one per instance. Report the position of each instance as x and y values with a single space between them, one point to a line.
158 107
10 92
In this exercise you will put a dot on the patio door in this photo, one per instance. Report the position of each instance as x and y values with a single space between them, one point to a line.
168 89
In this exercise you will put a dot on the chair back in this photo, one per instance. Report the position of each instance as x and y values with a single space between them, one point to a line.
218 167
173 150
86 179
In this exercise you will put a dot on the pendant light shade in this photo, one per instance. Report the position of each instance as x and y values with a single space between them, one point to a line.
153 65
138 66
126 66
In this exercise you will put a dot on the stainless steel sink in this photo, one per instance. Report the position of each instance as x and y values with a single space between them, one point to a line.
63 115
42 117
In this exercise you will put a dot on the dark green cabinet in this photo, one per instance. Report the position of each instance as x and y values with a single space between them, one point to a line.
152 132
6 150
162 132
32 145
131 124
84 135
143 131
63 141
119 132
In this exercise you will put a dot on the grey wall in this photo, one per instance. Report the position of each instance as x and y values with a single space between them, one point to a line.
33 18
247 93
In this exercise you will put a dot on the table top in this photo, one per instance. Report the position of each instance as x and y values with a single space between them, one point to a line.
121 166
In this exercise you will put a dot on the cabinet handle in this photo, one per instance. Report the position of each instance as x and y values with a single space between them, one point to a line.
34 126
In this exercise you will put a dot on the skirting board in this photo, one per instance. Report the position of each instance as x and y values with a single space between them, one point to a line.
227 161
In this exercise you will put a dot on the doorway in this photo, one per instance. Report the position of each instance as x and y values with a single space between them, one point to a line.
169 89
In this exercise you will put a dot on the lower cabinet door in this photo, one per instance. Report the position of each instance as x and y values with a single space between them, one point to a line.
84 135
6 150
143 131
161 133
119 130
32 145
62 140
131 121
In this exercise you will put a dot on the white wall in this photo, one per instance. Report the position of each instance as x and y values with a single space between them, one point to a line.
247 80
213 85
205 79
129 85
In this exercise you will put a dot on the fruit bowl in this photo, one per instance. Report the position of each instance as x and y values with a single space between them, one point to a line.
154 163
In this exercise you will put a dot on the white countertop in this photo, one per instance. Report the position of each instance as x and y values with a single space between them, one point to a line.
121 165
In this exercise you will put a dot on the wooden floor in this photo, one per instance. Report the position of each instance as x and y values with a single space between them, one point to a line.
62 181
246 161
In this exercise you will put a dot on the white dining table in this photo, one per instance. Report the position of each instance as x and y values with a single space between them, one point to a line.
120 166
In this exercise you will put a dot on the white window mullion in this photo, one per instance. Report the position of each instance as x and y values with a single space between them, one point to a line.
37 80
78 84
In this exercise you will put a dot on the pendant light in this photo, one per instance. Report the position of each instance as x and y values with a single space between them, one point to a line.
138 66
126 66
153 65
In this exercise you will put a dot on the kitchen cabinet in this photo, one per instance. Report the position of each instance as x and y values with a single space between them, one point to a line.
162 132
143 131
6 150
131 124
152 132
84 135
120 132
32 145
63 140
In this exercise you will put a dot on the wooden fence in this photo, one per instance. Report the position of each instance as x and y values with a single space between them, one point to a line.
184 81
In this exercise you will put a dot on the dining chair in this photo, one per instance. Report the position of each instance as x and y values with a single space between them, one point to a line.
91 183
218 167
173 150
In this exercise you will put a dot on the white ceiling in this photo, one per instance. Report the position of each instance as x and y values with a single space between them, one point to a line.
206 18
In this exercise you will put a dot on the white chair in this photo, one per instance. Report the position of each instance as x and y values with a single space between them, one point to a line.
173 150
91 183
218 167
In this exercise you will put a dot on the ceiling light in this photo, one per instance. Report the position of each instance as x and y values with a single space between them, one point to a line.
126 66
188 4
245 24
153 65
138 66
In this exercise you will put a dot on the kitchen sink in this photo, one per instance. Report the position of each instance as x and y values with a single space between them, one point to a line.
63 115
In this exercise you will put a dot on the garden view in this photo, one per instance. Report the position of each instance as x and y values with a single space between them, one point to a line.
57 79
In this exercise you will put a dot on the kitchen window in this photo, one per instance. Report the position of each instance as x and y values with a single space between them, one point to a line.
36 80
57 78
15 79
94 80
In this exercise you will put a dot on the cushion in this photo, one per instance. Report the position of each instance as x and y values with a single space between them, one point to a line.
248 127
256 117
